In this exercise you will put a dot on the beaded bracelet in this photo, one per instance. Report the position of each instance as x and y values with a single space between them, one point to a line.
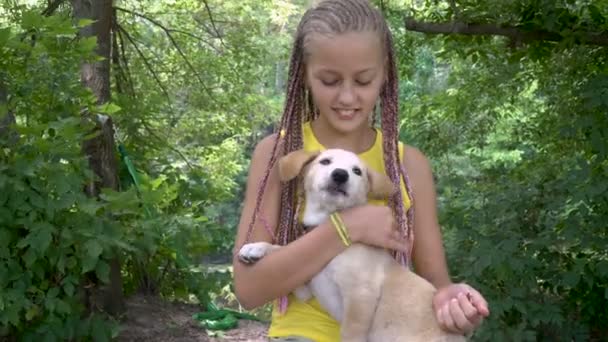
338 224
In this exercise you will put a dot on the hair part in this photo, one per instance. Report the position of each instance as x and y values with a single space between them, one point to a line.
335 17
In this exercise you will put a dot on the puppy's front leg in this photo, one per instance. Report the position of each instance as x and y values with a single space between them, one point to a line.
359 308
252 252
303 293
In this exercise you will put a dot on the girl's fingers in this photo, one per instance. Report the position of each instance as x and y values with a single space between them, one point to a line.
479 302
398 245
458 316
467 307
448 322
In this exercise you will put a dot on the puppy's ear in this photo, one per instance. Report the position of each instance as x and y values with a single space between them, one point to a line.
380 186
291 165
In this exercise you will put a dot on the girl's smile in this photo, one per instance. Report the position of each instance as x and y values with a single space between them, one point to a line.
346 114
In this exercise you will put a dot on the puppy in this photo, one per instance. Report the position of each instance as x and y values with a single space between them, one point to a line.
373 297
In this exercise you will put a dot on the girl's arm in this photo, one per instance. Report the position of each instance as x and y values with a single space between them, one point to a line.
459 307
428 253
280 272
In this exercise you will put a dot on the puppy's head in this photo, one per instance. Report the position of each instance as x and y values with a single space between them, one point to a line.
335 178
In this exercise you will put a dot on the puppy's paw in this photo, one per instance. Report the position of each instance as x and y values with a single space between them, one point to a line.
252 252
303 293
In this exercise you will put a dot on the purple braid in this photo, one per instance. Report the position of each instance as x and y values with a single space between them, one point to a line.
394 168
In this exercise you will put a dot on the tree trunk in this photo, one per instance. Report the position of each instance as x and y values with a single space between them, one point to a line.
7 136
101 149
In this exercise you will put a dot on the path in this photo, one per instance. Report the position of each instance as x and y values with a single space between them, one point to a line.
152 319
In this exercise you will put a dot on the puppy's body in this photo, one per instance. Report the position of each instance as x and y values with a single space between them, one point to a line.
373 297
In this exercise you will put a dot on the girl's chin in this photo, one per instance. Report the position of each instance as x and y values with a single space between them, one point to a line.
352 124
345 123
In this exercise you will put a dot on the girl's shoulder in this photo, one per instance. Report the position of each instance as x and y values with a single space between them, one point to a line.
261 156
418 166
267 143
413 154
263 148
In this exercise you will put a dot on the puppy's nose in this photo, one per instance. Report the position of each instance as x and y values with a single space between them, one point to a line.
339 176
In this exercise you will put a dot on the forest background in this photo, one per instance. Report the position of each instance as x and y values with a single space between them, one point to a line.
126 129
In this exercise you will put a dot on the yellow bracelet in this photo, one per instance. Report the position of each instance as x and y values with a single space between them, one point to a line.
338 224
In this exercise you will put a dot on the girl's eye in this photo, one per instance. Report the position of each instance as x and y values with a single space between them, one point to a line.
329 83
361 83
325 161
357 171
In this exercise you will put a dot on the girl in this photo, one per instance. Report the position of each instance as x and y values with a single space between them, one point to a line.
342 69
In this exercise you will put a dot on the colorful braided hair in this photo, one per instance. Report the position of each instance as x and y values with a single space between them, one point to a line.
332 17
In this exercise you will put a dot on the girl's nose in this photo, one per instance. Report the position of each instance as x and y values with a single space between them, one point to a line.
346 96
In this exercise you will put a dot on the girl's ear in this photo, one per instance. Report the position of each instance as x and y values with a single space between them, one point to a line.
380 186
291 165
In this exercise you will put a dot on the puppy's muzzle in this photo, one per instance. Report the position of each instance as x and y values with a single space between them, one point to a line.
339 176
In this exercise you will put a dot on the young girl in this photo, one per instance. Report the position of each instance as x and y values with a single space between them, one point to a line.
342 69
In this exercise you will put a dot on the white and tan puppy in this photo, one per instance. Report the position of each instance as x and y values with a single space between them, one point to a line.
373 297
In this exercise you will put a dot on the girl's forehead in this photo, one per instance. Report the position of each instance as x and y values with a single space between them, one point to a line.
351 51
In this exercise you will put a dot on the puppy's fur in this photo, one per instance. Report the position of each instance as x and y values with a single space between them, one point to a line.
364 288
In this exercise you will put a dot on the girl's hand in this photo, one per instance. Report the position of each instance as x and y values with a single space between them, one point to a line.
373 225
459 308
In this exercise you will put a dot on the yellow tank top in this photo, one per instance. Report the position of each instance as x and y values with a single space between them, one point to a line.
309 319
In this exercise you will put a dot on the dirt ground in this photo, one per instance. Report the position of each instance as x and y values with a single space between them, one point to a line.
155 320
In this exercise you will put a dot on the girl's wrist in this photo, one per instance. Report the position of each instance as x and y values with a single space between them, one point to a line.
349 225
340 228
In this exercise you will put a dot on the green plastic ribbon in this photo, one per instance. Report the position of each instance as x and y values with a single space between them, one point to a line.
221 319
214 318
131 168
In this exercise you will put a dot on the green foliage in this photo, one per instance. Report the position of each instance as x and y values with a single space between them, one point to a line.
516 132
187 141
51 234
188 117
517 138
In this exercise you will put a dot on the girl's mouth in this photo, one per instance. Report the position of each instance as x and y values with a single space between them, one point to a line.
346 114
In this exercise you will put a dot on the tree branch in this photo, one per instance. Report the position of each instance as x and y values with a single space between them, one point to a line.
145 60
455 9
52 7
174 149
174 43
167 29
123 57
588 38
7 133
217 32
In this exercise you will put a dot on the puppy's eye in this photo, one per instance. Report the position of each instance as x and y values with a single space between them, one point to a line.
357 171
325 161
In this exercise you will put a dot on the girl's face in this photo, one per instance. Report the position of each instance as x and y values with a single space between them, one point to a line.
345 73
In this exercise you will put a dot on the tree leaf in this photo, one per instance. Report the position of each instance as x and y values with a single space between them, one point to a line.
31 312
40 237
85 22
108 108
92 250
102 270
571 278
87 44
32 20
596 15
29 257
5 35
